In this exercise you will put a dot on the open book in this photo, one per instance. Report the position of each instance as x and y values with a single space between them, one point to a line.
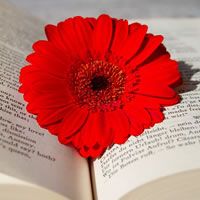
163 163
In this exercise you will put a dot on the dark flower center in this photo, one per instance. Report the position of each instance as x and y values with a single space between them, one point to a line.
99 83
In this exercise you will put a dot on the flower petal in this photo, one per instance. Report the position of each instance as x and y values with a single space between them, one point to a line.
46 85
163 72
159 52
74 120
135 38
48 117
154 102
49 101
157 115
49 64
96 131
101 129
92 21
149 48
140 118
54 128
84 33
101 37
30 75
54 36
76 33
120 34
155 89
46 48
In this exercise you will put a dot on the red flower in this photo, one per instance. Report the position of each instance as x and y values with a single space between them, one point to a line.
95 82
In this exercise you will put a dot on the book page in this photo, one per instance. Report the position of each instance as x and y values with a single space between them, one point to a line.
172 146
27 151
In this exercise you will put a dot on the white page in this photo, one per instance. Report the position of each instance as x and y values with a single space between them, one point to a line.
172 146
27 151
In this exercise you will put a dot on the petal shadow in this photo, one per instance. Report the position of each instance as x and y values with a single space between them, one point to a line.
187 72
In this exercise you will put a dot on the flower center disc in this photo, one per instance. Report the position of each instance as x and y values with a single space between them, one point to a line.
98 85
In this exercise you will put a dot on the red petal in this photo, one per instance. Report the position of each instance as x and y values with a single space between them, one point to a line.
155 89
154 102
74 120
48 101
48 117
46 48
101 128
100 131
54 128
49 64
121 126
96 131
48 84
30 76
134 41
163 72
142 118
54 36
138 115
92 152
92 21
149 48
84 32
101 37
76 33
159 52
156 115
120 34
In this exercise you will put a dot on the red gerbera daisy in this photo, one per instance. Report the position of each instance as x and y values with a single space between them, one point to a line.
95 82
